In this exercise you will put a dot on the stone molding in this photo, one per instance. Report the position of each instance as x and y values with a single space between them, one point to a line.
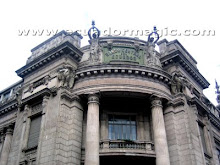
64 49
9 108
178 57
136 71
42 93
65 94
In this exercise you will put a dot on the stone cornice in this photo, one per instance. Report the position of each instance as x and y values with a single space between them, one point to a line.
178 57
214 120
64 49
8 124
216 138
200 105
8 107
181 46
178 100
147 72
39 94
69 96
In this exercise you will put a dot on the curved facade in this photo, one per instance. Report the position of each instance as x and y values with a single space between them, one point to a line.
114 101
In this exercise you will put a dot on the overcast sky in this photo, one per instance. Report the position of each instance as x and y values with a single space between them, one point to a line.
72 15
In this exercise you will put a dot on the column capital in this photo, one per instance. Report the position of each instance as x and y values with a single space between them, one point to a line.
93 98
2 136
9 130
156 101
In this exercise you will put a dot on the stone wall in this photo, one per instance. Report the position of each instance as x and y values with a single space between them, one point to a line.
183 135
17 140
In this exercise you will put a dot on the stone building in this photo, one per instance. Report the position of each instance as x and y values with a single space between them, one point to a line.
115 101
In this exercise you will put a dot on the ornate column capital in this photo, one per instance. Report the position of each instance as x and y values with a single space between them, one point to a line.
9 131
2 136
93 98
156 101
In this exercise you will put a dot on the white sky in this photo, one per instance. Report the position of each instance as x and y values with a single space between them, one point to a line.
118 15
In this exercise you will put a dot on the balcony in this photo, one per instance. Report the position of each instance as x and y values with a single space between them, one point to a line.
122 147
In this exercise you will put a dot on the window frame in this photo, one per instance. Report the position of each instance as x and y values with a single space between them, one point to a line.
132 137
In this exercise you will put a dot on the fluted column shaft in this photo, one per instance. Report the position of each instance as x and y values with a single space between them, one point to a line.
160 140
92 131
6 147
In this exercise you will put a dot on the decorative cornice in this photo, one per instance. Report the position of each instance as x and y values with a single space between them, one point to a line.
8 107
178 100
153 73
201 106
69 96
214 120
178 57
8 126
40 94
64 49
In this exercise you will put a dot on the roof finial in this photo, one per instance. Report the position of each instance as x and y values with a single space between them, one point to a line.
93 32
152 39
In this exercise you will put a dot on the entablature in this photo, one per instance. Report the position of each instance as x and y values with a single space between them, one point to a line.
64 49
179 58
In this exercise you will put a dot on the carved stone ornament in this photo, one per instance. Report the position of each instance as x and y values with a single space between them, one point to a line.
66 76
30 88
178 83
95 51
46 80
156 102
18 94
152 57
93 98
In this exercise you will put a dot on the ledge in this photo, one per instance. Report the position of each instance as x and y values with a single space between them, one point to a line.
44 92
9 106
178 57
146 72
122 147
64 49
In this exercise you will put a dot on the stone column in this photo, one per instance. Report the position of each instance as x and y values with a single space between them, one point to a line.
6 147
160 139
1 141
44 110
26 122
92 131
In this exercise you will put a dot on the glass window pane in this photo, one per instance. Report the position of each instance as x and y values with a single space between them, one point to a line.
116 132
124 132
133 130
110 131
128 132
122 127
120 131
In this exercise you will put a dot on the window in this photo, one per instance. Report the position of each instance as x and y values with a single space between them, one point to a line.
218 152
201 129
34 132
122 127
